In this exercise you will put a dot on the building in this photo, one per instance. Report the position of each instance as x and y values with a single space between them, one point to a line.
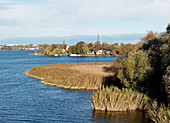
99 52
98 39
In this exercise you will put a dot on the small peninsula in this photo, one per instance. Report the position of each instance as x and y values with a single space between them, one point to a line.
88 76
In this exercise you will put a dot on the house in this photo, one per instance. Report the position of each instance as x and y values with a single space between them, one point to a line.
99 52
107 52
91 52
65 46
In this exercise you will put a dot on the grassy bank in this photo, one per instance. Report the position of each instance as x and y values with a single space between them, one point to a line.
75 76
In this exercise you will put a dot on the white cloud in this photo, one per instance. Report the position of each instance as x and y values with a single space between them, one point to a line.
6 3
67 17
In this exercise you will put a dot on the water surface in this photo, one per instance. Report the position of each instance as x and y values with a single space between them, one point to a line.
25 99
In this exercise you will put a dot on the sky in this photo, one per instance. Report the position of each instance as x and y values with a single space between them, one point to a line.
52 21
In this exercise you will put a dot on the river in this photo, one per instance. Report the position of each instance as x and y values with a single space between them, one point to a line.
25 99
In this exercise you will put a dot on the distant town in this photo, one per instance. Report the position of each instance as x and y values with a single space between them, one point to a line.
80 49
20 47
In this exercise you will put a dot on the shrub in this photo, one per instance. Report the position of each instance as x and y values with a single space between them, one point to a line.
136 71
166 82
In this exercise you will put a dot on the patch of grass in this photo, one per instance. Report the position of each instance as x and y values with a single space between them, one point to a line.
114 99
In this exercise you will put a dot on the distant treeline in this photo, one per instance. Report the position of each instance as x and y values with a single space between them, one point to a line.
20 47
90 49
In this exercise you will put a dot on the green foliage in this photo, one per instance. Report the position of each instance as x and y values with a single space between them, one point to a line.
168 28
158 49
97 46
136 71
57 50
166 82
110 47
44 46
80 48
90 46
159 114
165 51
124 49
72 49
85 49
114 99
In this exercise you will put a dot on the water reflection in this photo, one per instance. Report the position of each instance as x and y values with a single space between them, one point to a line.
120 117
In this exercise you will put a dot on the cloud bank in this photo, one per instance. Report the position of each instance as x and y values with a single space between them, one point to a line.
38 18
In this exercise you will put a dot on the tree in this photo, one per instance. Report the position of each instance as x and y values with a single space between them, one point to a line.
85 49
150 35
168 28
44 46
97 46
166 82
82 48
136 71
90 46
72 49
124 49
57 50
47 51
52 47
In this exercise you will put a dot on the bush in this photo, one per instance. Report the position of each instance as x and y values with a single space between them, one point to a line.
166 82
137 70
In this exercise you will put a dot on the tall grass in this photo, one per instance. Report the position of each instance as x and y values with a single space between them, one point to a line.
65 75
159 114
114 99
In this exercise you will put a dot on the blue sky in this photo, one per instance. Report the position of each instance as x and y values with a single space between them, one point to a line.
28 21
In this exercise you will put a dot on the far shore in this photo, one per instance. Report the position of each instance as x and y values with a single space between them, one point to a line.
41 54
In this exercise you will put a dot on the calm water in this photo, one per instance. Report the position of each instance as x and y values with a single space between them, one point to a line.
25 99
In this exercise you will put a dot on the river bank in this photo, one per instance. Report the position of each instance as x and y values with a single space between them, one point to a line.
41 54
88 76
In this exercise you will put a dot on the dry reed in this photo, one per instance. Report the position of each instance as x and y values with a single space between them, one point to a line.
74 75
114 99
159 114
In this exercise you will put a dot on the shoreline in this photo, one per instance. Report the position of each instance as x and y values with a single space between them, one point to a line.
60 86
40 54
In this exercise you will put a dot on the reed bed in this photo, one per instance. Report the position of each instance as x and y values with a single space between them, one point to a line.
114 99
74 75
159 114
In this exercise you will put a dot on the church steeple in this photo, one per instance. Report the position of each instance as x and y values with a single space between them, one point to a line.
98 39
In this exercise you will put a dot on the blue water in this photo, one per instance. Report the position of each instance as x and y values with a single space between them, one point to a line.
25 99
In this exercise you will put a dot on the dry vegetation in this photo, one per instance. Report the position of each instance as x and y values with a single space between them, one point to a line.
159 114
114 99
75 75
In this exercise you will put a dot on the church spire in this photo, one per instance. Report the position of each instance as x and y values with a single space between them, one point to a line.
98 39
